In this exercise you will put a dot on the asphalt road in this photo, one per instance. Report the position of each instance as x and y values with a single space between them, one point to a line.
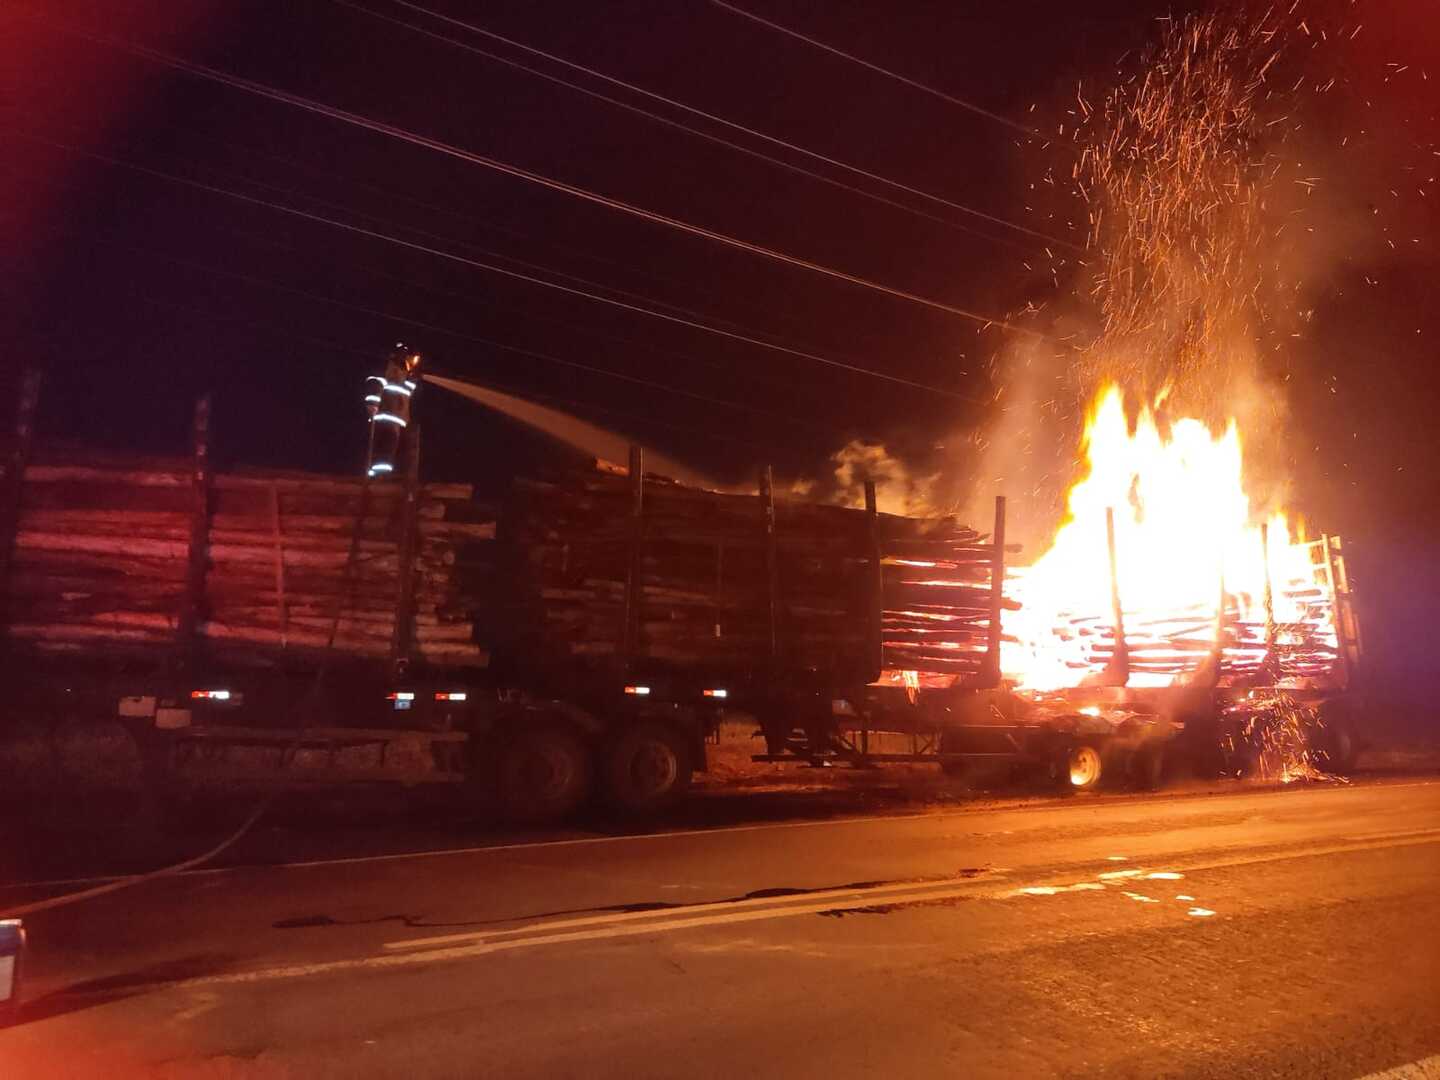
1283 933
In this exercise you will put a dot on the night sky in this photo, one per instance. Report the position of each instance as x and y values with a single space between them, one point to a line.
137 293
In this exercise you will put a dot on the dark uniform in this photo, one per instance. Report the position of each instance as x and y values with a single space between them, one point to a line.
387 399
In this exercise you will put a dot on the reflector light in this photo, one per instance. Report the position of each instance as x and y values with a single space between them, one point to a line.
213 695
398 388
642 690
717 693
381 467
453 695
374 399
390 418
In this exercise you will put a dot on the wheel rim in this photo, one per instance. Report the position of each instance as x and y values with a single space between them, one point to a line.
547 772
653 768
1084 766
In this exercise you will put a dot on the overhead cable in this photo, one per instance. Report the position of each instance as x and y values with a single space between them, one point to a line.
698 133
832 50
452 332
414 138
400 242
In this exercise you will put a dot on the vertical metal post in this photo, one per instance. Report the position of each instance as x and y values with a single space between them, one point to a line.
875 590
12 478
1327 549
772 561
1119 665
192 600
630 632
719 588
403 635
1269 592
997 594
1342 587
284 617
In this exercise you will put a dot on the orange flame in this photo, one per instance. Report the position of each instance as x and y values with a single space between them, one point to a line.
1191 567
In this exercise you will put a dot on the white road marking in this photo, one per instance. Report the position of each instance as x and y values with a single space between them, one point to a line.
205 1001
670 920
1424 1069
1038 806
1406 839
909 890
484 947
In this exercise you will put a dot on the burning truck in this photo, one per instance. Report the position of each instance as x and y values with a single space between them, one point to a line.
586 634
1168 621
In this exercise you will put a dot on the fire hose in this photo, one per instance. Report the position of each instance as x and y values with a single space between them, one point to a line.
268 799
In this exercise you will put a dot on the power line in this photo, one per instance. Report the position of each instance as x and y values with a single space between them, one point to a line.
961 102
537 267
667 121
714 118
287 334
271 241
400 242
416 139
446 330
584 330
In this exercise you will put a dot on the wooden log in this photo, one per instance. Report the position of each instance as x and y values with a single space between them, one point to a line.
32 540
179 477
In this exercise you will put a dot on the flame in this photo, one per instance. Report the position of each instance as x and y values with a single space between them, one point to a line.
1192 565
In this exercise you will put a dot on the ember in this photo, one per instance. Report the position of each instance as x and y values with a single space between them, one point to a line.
1174 565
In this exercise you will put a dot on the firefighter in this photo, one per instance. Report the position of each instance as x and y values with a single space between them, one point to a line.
387 399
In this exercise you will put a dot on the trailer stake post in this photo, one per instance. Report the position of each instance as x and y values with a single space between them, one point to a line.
1117 671
630 630
199 554
772 561
13 477
874 592
997 595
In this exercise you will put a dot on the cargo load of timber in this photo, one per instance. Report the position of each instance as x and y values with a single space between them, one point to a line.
101 562
117 555
598 569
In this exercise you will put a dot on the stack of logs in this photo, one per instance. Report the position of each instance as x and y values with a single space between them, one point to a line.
293 564
706 569
102 556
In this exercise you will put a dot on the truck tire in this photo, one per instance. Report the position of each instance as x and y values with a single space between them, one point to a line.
545 774
647 769
1081 767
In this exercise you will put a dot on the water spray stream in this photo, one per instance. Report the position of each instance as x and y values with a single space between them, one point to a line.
570 430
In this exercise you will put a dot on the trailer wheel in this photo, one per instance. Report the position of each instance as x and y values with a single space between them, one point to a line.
545 774
647 769
1083 766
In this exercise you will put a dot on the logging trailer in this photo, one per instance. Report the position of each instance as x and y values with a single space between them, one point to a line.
254 628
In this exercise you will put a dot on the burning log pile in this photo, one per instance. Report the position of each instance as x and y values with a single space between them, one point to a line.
102 558
707 567
1172 647
1161 546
